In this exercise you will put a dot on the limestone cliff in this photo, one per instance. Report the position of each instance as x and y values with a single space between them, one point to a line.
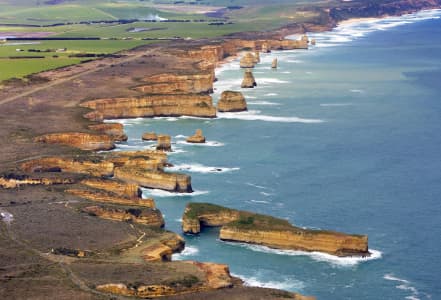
164 143
248 80
71 165
242 226
12 181
121 158
83 141
195 105
231 102
114 130
173 182
288 44
248 60
149 136
197 138
106 197
120 188
178 84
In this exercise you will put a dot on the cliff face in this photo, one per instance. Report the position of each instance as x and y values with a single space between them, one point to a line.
119 188
114 130
11 183
60 164
231 102
151 106
154 179
329 242
178 84
83 141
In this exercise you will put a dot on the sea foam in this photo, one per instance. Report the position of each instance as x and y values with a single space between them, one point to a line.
253 115
188 251
199 168
288 283
161 193
404 285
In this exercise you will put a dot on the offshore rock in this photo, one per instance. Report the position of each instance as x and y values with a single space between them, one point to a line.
164 143
248 61
257 57
197 138
83 141
313 42
274 63
114 130
231 102
289 44
248 80
149 136
195 105
122 158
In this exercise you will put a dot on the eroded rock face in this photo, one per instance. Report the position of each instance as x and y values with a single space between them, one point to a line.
173 182
83 141
61 164
257 57
248 61
15 182
114 130
217 275
145 216
117 187
231 102
197 138
164 143
105 197
195 105
274 63
248 80
149 136
178 84
288 44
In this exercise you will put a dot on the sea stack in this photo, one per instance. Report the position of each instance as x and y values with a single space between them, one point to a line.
274 63
247 61
265 48
313 42
164 143
256 57
197 138
305 38
149 136
248 80
231 102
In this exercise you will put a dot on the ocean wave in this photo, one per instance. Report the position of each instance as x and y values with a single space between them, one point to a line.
161 193
356 91
198 168
317 256
206 144
271 94
257 186
260 201
251 97
176 151
335 104
253 115
188 251
181 136
262 103
288 283
404 285
266 81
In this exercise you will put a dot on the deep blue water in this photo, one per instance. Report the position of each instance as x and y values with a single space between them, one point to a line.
347 138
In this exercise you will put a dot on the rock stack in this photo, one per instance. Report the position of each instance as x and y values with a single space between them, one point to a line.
149 136
248 61
256 57
197 138
164 143
274 63
313 42
265 48
231 102
305 39
248 80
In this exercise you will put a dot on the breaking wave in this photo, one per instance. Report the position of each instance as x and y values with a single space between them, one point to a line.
253 115
198 168
288 283
404 285
188 251
161 193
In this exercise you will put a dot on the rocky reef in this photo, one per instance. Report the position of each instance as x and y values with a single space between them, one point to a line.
231 102
248 80
247 227
197 138
80 140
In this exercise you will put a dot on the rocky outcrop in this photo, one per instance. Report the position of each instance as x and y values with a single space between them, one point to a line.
145 216
247 227
197 138
313 42
11 181
105 197
195 105
172 182
164 143
256 57
83 141
71 165
248 60
248 80
178 84
122 158
114 130
120 188
274 63
149 136
231 102
217 276
157 252
265 48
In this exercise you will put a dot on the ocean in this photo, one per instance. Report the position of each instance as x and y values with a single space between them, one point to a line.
344 136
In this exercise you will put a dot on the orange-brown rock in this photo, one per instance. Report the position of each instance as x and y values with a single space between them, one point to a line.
288 44
116 288
178 84
217 276
248 60
247 227
114 130
313 42
197 138
173 182
157 252
231 102
195 105
274 63
248 80
149 136
61 164
256 57
146 216
105 197
121 158
83 141
164 143
15 182
124 189
265 48
174 241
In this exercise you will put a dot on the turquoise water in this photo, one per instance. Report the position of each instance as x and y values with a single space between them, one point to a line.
344 136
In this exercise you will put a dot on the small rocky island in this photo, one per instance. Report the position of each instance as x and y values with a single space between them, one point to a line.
248 227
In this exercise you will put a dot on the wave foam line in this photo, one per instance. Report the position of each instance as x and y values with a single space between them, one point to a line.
317 256
199 168
206 144
188 251
404 285
161 193
335 104
262 103
255 116
289 284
